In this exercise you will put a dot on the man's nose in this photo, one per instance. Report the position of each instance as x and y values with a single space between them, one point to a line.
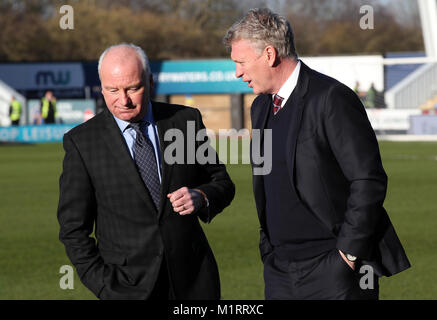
238 72
124 98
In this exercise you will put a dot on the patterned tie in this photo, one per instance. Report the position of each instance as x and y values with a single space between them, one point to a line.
277 101
144 156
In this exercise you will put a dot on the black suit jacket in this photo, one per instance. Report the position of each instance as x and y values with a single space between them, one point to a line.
101 188
337 170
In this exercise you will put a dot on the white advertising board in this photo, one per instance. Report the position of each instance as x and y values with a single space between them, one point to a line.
391 119
350 69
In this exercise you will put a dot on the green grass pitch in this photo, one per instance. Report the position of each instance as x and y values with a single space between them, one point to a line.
31 255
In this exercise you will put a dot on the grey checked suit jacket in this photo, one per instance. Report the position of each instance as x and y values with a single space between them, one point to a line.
101 191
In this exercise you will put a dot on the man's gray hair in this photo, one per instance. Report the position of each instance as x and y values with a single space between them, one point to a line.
262 27
140 52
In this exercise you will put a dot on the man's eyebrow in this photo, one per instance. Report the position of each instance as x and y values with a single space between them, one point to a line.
135 85
236 60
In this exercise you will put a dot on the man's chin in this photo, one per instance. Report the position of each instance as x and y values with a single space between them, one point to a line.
125 116
130 115
257 92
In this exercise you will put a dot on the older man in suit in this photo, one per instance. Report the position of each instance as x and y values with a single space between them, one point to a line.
144 211
321 206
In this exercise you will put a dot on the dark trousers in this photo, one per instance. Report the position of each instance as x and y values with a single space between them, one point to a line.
324 277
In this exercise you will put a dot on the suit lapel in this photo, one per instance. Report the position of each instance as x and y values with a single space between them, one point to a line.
260 119
296 102
259 123
163 124
117 145
297 105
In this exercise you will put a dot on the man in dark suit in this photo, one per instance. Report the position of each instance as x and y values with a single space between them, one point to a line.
144 211
324 232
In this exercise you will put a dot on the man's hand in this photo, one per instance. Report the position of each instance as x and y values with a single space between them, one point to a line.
350 263
186 201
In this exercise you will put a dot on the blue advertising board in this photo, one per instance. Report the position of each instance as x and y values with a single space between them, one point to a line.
197 76
35 134
170 76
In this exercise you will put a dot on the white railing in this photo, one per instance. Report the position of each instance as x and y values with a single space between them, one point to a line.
415 89
5 98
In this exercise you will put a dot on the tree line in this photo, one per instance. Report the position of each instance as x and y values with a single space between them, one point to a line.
190 29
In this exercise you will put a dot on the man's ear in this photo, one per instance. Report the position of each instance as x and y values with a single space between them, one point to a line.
272 55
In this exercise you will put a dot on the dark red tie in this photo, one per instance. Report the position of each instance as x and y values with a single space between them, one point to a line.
277 101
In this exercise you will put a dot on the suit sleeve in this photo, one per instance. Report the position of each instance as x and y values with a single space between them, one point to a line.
218 186
76 216
354 145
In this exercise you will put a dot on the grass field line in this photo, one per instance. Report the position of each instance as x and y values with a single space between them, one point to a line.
411 157
406 137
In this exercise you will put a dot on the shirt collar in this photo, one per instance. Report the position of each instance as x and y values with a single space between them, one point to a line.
289 85
148 118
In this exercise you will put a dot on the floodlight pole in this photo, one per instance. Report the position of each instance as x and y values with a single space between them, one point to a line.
428 17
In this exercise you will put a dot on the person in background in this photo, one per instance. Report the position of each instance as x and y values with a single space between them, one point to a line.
48 108
357 88
15 111
321 206
370 101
